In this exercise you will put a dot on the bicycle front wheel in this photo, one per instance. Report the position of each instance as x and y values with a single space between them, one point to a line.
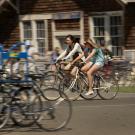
55 114
85 88
71 87
107 87
25 107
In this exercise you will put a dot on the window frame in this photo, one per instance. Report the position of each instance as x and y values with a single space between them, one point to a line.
33 19
107 36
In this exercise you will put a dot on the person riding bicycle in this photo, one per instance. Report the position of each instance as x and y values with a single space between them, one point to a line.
94 62
33 55
73 50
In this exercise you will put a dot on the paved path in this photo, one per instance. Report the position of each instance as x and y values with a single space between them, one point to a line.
95 117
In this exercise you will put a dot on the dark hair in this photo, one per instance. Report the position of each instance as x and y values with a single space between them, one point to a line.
71 38
77 40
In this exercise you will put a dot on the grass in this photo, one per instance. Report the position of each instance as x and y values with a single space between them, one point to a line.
127 89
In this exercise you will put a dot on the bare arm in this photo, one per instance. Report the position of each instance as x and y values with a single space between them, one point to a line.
90 55
62 55
73 51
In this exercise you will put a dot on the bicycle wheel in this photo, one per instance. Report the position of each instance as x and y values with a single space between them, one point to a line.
71 87
55 115
107 87
85 87
25 107
50 80
4 109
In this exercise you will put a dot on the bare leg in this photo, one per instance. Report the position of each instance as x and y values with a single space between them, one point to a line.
90 73
86 67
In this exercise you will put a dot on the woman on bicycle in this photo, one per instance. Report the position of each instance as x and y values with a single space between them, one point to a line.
94 62
73 50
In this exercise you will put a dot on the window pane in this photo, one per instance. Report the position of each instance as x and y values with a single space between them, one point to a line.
27 25
98 21
40 34
115 20
27 30
99 31
40 25
41 46
116 41
40 29
117 50
116 31
99 40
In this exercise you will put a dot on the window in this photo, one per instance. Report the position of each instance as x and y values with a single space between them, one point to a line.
27 30
36 31
40 26
99 29
116 34
107 30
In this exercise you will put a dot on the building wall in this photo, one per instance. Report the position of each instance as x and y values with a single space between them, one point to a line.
9 28
67 24
130 26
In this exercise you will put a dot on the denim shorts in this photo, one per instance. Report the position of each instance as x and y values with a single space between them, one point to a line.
100 64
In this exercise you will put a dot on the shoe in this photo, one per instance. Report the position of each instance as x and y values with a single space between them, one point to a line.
90 92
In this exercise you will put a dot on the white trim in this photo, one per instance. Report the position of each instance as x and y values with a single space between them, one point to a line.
82 27
64 33
21 31
107 33
120 12
35 17
34 34
46 34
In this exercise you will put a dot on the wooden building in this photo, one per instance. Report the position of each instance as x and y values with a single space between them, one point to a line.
47 22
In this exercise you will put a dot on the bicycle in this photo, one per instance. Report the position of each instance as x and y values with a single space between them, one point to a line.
27 104
104 86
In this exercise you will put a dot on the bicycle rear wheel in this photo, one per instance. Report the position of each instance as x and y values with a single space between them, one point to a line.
55 115
107 87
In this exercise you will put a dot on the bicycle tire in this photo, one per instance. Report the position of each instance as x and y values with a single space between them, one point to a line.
49 80
85 88
108 88
71 88
55 115
25 110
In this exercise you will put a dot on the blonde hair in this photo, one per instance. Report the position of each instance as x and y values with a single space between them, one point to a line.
90 42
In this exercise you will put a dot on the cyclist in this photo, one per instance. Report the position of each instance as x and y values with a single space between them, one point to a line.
33 55
73 50
94 62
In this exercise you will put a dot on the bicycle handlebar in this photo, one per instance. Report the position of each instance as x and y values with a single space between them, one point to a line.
14 46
